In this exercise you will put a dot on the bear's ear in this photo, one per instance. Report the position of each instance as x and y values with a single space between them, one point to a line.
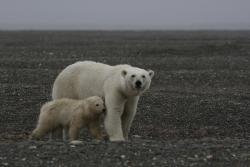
151 73
124 73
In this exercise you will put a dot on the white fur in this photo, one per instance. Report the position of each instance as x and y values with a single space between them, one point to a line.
115 83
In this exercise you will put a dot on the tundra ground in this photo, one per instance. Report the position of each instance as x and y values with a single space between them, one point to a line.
196 112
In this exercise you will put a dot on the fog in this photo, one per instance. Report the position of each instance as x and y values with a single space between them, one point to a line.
124 14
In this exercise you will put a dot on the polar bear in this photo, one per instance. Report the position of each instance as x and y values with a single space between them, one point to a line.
71 115
120 85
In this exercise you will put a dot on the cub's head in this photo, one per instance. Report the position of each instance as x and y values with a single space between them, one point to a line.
135 81
96 104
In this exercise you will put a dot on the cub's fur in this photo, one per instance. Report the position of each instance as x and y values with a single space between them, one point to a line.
70 115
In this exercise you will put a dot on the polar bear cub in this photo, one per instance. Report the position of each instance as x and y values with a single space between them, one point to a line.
120 85
71 115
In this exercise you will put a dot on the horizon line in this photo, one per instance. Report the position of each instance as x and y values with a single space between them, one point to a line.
148 29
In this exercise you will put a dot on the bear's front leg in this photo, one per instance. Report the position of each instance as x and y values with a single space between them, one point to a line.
129 114
113 125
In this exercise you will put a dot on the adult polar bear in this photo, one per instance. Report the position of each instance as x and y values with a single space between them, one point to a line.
120 85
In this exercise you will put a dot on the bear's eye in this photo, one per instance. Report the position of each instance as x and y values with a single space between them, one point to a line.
143 76
132 76
97 105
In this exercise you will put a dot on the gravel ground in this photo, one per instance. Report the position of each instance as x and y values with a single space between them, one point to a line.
204 152
195 114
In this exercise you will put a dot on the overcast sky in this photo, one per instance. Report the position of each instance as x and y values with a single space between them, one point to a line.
125 14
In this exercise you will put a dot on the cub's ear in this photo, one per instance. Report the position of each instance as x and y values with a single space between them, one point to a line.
124 73
151 73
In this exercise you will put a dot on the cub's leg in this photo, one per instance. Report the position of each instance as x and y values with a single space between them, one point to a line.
56 133
74 128
95 130
40 131
65 131
74 132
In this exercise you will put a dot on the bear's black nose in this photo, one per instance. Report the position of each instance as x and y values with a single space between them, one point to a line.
138 84
103 110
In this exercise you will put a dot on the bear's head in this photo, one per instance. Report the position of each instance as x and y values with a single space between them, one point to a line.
96 104
135 81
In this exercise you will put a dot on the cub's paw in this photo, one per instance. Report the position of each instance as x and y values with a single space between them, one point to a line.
76 142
